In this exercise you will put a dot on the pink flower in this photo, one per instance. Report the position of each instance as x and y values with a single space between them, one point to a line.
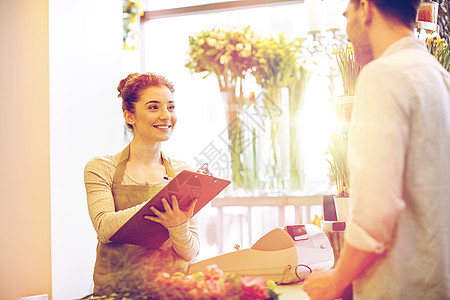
189 283
214 285
177 282
254 288
213 272
163 279
194 294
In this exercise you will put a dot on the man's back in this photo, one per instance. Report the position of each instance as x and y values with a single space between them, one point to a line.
408 93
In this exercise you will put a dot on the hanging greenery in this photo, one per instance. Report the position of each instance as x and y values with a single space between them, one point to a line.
132 11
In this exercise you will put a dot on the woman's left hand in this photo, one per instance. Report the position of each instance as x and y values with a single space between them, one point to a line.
173 216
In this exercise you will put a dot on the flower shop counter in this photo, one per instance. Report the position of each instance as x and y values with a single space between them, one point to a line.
291 292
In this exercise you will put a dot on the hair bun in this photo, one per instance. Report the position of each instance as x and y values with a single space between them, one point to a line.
123 82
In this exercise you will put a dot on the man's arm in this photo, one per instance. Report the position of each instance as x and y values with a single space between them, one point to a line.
330 284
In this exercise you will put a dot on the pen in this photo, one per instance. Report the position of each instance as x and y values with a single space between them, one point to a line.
167 178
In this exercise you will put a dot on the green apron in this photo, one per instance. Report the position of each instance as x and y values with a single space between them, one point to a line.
123 264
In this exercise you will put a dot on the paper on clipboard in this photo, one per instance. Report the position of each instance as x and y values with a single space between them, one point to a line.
186 186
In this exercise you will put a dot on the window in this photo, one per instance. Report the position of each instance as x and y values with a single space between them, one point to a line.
200 109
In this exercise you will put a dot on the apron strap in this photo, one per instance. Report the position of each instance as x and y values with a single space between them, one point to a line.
121 166
168 165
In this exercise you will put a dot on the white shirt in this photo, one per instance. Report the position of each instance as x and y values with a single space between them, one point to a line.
399 162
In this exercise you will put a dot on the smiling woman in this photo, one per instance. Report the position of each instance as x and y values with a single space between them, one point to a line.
155 107
119 185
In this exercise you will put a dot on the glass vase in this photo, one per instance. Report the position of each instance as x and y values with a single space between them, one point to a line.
237 141
276 140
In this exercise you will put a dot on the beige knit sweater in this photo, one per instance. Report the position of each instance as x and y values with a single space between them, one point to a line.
98 177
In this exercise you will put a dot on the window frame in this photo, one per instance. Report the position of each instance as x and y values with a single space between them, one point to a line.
149 15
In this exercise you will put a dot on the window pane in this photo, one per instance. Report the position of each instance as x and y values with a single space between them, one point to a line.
202 123
201 114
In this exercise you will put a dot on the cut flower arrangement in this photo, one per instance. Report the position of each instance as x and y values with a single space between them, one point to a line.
212 284
243 61
228 53
215 284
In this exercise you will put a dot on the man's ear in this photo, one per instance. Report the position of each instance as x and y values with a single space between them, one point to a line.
129 117
366 10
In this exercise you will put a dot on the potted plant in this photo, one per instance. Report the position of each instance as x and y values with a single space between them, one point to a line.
349 70
339 170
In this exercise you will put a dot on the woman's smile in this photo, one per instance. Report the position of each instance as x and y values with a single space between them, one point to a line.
155 109
166 127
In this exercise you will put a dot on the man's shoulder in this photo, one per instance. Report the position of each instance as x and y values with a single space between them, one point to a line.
408 53
409 64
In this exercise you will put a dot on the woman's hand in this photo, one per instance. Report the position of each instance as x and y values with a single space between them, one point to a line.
173 216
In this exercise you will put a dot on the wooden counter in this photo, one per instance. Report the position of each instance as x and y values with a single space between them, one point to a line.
291 292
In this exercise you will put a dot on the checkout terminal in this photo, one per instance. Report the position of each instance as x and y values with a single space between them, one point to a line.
283 255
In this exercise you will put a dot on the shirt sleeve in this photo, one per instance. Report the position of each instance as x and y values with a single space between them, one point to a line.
98 182
185 239
377 149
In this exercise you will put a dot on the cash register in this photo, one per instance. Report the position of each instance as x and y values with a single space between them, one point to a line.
284 255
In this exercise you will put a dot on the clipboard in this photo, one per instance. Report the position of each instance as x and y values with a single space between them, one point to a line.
186 186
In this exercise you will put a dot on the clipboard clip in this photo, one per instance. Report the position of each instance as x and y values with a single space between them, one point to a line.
204 170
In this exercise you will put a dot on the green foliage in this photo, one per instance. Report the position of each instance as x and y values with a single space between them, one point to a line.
132 10
441 50
339 166
277 61
232 53
348 68
134 283
229 53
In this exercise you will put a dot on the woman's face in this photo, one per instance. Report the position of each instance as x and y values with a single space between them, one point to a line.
154 117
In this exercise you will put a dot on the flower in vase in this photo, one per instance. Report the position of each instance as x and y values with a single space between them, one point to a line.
227 52
348 68
277 60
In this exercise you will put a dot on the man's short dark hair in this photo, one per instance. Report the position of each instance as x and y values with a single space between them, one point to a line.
403 10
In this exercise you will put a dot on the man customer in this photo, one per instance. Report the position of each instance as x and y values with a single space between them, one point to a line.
397 242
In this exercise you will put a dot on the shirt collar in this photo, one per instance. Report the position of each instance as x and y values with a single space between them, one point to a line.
402 44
